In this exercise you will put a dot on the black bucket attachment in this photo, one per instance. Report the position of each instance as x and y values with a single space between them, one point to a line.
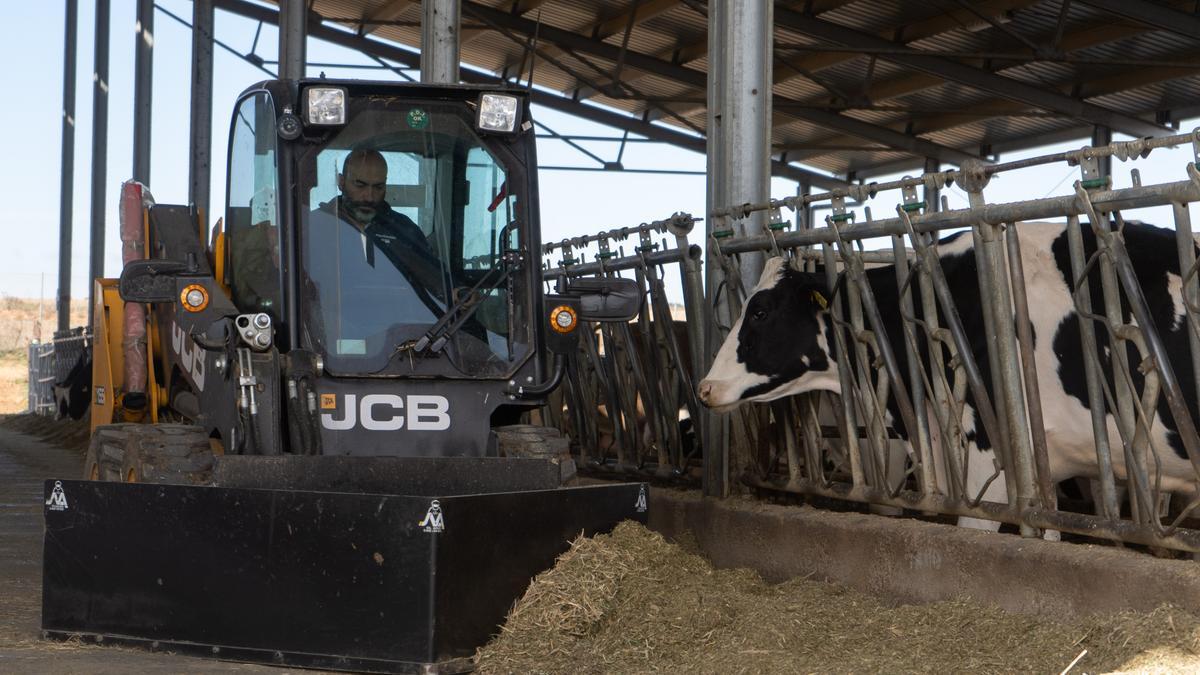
312 576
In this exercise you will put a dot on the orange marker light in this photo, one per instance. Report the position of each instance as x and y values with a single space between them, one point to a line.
194 298
563 319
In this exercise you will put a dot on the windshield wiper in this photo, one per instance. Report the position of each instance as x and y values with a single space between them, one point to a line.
460 311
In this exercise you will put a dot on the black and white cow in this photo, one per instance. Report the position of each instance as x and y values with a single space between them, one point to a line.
783 345
73 395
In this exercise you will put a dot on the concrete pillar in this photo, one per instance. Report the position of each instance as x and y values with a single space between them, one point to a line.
143 87
293 29
99 147
439 41
200 144
67 177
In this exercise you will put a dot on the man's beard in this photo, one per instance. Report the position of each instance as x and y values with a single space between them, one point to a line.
363 212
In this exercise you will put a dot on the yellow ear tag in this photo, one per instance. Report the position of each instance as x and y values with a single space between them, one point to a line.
820 300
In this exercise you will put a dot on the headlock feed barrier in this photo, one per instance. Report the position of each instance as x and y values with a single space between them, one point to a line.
629 394
917 387
50 363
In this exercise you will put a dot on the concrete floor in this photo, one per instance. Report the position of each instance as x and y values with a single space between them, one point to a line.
24 463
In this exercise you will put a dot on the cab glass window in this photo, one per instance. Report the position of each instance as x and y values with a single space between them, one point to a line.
252 218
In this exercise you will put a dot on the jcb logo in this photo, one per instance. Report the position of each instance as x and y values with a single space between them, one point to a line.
386 412
191 357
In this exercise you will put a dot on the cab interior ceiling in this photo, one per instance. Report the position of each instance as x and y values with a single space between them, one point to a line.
863 88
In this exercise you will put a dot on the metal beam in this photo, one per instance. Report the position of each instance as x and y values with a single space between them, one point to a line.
639 11
556 102
804 66
143 88
743 124
67 177
1162 18
200 138
99 149
1131 78
389 11
439 41
1089 36
293 30
714 428
972 77
698 79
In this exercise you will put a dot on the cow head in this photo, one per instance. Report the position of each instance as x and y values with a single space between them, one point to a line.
779 346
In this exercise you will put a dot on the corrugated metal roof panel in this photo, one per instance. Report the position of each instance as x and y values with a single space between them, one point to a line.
1112 61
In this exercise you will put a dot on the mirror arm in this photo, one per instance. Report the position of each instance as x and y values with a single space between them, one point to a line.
542 388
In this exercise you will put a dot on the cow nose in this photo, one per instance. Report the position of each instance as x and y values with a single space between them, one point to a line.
704 391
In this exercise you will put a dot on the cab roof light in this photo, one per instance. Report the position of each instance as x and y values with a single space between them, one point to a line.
498 113
325 106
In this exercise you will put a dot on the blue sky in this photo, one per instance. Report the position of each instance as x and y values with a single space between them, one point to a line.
31 44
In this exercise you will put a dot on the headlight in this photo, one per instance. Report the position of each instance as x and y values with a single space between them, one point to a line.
498 113
326 106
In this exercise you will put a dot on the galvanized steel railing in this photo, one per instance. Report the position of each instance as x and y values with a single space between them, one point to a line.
627 384
783 441
50 363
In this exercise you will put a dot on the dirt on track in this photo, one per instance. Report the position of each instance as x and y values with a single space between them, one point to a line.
631 602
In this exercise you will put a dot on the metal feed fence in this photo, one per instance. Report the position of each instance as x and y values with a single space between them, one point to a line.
629 386
50 363
785 449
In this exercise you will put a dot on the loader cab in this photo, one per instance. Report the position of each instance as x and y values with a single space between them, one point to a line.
458 211
360 218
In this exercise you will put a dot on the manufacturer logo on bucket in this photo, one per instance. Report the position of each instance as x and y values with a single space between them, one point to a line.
433 518
640 504
58 498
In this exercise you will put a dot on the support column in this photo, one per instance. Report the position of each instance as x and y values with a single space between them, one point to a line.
293 29
1103 136
439 41
99 148
745 106
200 145
66 193
933 196
143 87
739 157
714 429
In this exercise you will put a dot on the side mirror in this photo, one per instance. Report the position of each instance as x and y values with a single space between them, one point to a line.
606 298
198 302
150 280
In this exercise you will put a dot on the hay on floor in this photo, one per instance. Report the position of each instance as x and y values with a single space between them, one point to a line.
631 602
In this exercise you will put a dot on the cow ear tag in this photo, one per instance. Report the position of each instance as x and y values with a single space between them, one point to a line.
820 299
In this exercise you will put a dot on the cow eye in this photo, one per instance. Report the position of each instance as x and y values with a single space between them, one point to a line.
760 315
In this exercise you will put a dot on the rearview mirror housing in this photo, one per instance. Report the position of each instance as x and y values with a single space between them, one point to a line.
606 298
150 281
197 299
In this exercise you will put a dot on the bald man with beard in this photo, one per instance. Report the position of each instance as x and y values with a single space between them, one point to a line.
372 267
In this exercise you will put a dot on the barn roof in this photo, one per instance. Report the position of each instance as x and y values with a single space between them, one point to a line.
862 87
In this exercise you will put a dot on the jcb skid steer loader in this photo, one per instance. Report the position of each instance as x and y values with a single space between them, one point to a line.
305 446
